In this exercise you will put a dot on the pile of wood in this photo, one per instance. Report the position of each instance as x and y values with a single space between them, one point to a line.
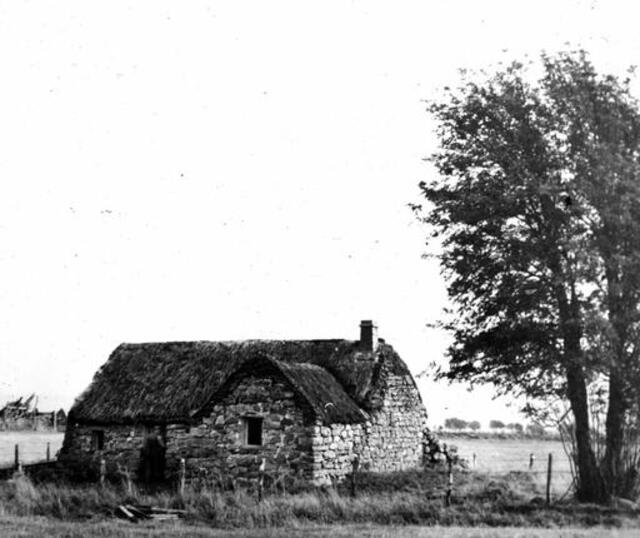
137 512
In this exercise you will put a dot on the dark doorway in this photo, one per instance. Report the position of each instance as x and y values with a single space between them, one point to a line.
152 455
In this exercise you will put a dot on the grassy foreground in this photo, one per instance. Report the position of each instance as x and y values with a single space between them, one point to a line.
384 503
43 527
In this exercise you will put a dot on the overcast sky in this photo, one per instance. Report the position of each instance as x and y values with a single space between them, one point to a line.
231 170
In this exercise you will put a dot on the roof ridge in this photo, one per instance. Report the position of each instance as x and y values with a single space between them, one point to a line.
248 340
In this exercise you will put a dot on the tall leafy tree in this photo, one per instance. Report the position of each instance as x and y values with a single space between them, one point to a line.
536 210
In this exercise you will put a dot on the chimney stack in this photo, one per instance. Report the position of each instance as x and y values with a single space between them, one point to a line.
368 335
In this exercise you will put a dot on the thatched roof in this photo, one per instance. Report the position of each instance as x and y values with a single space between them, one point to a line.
171 381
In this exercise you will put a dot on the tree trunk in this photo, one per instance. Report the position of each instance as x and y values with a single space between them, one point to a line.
591 486
590 483
612 464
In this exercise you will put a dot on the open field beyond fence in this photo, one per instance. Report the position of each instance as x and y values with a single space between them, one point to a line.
32 446
506 455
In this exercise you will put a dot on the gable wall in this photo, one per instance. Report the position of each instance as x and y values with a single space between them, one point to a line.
216 448
393 438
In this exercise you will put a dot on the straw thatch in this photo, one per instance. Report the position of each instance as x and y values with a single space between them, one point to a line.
169 382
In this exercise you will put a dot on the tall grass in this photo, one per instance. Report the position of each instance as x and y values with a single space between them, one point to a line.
391 499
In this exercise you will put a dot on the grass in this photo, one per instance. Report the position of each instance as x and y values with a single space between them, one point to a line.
43 527
384 502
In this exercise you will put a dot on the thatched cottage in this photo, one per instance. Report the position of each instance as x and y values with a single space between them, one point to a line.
307 408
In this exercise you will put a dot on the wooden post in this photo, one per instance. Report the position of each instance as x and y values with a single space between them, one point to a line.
447 496
35 415
16 455
182 475
127 477
48 451
55 421
354 471
474 461
103 471
261 479
532 460
123 472
549 470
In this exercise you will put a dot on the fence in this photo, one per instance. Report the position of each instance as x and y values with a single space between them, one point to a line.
550 470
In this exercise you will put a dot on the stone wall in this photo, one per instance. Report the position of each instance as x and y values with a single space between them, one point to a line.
216 449
334 449
393 438
122 446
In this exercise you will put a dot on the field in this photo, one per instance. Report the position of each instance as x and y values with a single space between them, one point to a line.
505 455
33 446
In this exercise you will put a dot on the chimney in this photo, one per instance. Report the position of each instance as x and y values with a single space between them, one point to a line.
368 335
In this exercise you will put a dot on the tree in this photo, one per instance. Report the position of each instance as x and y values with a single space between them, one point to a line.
535 430
515 426
474 425
537 211
455 424
496 424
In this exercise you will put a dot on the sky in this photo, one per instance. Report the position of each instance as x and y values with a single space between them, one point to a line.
232 170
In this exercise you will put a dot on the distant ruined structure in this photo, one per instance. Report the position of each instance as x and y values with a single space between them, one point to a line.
23 415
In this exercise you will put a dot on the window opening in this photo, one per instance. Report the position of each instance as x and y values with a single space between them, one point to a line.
253 426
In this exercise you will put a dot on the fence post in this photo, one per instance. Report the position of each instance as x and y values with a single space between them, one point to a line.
48 451
103 471
549 470
261 479
447 496
474 460
354 471
447 499
127 477
16 455
532 460
182 475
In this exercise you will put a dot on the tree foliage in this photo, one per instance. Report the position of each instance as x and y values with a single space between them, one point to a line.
454 423
515 426
536 208
474 425
535 430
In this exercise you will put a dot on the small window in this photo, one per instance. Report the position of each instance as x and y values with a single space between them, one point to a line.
97 440
253 430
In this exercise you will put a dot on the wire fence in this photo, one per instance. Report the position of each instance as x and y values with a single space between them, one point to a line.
533 459
31 447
